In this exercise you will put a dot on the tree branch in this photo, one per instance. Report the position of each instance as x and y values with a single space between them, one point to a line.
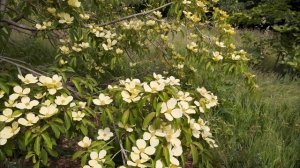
135 15
18 25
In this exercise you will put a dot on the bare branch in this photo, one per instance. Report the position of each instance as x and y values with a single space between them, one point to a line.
136 15
15 24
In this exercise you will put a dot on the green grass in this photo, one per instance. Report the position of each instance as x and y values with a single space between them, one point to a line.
264 126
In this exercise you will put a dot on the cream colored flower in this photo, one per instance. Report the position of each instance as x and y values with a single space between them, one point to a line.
48 111
136 160
104 134
172 81
85 143
193 47
26 103
157 14
8 115
53 84
51 10
7 132
119 51
10 103
169 110
65 49
65 18
172 136
29 121
217 56
142 149
130 97
19 92
220 44
184 96
175 150
152 136
158 164
235 57
74 3
39 95
102 100
154 87
63 100
84 45
28 79
77 116
96 158
109 45
84 16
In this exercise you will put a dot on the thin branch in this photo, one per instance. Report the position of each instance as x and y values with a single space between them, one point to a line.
123 151
135 15
20 66
15 24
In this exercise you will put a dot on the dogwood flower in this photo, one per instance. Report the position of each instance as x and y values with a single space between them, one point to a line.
175 150
29 121
220 44
77 116
53 84
184 96
158 164
48 111
152 136
104 134
102 100
26 103
74 3
169 110
186 108
172 136
85 143
28 79
10 103
65 49
154 87
8 131
63 100
8 115
85 16
172 81
217 56
142 149
136 160
19 92
109 45
65 18
96 158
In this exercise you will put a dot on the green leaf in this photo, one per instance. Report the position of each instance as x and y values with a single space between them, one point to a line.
77 85
55 129
47 140
67 121
37 146
84 159
44 157
147 120
125 117
78 154
27 137
195 154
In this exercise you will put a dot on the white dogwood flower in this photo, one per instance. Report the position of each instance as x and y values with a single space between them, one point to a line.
63 100
142 149
48 111
26 103
28 79
8 131
97 158
77 116
104 134
29 121
19 92
8 115
169 109
136 160
85 143
102 100
53 84
74 3
154 87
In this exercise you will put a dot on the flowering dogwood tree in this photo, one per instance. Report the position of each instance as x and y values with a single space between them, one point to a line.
156 121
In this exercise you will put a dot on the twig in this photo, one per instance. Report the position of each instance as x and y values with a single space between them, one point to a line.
123 151
135 15
15 24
